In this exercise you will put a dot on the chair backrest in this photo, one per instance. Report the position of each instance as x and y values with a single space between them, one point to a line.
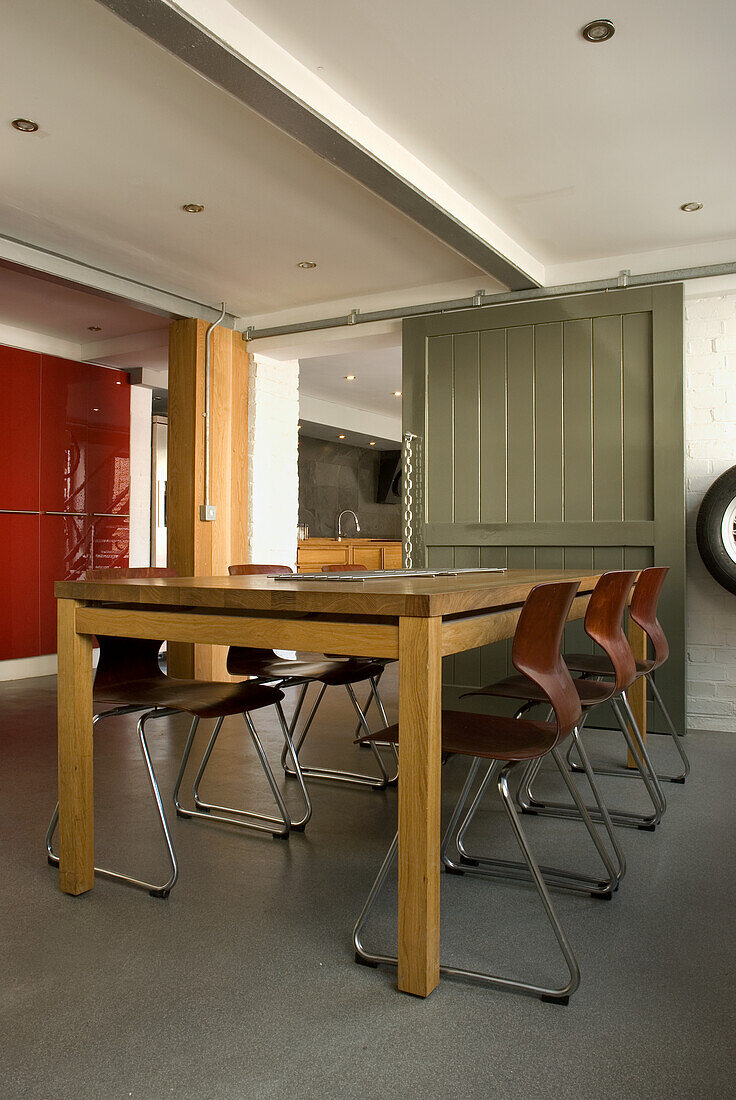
257 570
125 660
537 649
344 568
604 623
141 572
644 609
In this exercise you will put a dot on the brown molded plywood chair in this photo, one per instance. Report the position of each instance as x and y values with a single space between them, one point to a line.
507 743
128 676
603 624
643 611
327 670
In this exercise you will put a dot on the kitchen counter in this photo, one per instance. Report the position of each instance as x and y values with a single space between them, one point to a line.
312 554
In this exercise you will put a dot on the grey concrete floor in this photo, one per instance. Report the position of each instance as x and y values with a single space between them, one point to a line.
242 984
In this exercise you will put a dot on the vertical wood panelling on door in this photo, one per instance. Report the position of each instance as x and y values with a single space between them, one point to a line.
638 444
493 425
548 421
608 455
578 420
466 436
520 436
440 435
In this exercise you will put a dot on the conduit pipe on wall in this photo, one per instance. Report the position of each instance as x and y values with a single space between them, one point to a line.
207 511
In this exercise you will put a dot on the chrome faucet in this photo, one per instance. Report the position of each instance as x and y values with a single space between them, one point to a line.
346 512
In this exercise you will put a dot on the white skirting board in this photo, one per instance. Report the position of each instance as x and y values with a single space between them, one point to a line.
23 668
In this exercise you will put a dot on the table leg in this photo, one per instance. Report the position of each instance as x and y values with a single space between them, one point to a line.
420 759
638 690
76 800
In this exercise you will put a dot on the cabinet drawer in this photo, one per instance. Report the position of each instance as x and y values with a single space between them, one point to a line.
322 556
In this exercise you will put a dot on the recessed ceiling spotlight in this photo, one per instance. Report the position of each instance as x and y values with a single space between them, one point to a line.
349 377
25 125
307 265
193 207
599 30
397 393
372 443
691 207
94 328
341 437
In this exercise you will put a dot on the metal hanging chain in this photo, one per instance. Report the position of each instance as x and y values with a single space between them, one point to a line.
407 480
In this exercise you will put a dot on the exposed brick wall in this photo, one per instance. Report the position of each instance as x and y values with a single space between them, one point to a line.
273 482
710 403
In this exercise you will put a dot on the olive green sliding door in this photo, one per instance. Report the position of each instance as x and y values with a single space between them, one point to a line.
553 437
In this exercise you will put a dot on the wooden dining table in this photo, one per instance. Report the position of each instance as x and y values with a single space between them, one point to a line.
417 620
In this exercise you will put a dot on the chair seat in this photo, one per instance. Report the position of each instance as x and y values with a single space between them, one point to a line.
352 671
599 665
239 663
491 736
203 699
591 692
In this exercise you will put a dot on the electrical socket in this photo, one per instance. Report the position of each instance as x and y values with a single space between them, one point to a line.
207 513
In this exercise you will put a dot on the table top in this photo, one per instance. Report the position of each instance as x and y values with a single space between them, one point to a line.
419 597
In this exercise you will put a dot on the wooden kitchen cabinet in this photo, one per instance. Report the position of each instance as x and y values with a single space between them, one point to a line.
312 554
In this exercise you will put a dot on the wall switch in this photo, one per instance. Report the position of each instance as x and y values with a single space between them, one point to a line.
207 513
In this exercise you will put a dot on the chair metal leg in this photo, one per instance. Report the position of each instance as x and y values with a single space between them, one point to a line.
160 890
630 773
234 815
559 878
358 779
529 804
557 994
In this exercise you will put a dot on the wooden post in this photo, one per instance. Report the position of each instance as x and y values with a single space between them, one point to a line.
420 721
199 548
76 804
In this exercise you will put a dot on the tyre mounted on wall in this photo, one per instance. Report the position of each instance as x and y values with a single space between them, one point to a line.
716 530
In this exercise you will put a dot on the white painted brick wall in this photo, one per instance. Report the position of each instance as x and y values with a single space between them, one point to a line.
273 479
710 433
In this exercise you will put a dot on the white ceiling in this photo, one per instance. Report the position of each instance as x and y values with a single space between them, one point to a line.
576 150
128 134
48 308
377 375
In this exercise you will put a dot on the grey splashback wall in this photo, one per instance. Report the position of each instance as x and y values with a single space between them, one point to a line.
333 476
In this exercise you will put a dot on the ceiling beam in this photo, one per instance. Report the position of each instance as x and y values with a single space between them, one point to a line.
393 174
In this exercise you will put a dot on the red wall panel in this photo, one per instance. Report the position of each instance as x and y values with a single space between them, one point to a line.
64 555
20 428
108 442
65 387
19 619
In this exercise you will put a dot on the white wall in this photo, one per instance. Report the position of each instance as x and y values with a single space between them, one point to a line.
140 475
273 479
710 403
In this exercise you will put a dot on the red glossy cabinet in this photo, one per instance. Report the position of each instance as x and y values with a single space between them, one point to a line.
108 443
64 555
65 393
20 429
64 456
19 636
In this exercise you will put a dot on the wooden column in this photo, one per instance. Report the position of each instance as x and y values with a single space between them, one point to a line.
198 548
